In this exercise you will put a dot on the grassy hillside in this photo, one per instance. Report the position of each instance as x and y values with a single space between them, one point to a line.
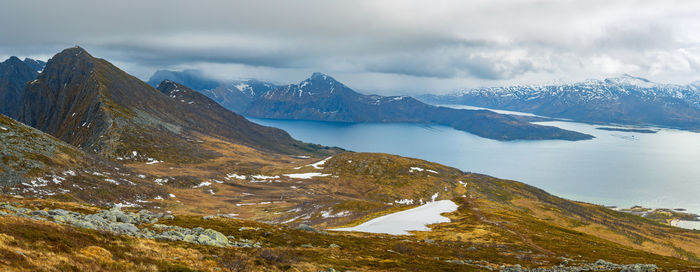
38 165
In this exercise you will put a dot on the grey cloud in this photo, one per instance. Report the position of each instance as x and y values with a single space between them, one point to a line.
441 44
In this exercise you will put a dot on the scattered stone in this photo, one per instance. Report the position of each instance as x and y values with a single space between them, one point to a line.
83 224
39 213
126 223
308 228
333 246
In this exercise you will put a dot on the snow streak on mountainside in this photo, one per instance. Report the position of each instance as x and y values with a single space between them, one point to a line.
626 100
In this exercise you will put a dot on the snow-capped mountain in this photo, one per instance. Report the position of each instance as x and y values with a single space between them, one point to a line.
322 98
626 100
235 96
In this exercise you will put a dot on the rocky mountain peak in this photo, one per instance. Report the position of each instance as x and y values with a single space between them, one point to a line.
168 87
14 75
630 80
13 60
320 78
37 65
320 84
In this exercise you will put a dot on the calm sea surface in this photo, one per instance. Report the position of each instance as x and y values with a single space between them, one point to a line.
660 170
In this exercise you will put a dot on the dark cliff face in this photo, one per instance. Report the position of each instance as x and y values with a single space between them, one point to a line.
319 97
37 65
322 98
14 75
92 104
207 116
237 95
65 101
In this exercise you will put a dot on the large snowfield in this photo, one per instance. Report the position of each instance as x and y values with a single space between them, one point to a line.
402 222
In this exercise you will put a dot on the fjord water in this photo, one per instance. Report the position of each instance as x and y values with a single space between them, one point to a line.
660 170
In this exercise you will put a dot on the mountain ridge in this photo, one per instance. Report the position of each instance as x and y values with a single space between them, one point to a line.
625 100
322 98
14 75
90 103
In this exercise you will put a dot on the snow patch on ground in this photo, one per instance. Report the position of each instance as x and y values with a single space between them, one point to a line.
262 178
204 183
330 214
160 181
306 175
414 169
126 204
265 177
402 222
418 169
292 219
152 161
317 165
234 175
404 201
684 224
112 181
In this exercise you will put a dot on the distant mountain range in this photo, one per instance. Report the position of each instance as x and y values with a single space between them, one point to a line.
322 98
14 75
624 100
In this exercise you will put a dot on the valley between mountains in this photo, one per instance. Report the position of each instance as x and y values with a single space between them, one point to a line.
101 172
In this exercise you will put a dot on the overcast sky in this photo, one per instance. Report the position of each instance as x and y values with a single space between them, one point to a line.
381 46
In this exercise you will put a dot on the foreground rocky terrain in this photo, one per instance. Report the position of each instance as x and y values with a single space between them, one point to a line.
64 236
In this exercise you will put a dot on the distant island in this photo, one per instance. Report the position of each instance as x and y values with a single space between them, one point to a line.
636 130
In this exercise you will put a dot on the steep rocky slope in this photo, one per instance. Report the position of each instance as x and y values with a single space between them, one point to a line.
92 104
236 96
37 65
14 75
35 164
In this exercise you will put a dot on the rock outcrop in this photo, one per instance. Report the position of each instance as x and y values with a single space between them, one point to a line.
127 223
